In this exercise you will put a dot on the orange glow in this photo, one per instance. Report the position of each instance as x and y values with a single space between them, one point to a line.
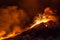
15 32
40 20
45 17
8 18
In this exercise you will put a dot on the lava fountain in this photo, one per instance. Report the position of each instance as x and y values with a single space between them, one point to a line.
48 15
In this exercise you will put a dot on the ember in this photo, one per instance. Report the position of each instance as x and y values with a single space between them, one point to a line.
45 17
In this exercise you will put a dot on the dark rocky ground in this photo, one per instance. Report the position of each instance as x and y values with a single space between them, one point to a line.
40 32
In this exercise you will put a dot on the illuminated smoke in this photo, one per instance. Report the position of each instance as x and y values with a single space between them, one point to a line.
13 20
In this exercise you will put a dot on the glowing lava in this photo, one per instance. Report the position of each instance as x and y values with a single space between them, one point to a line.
45 17
16 31
40 18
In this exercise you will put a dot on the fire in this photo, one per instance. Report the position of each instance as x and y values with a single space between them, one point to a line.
14 18
11 22
45 17
14 33
40 20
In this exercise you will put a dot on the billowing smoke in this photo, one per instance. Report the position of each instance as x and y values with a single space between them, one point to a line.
12 19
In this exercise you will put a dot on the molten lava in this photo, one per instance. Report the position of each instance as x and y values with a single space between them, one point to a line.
40 18
45 17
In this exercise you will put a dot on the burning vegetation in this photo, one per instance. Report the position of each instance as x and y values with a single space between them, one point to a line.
12 15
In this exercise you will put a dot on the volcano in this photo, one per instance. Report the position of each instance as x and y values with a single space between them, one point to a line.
40 18
44 26
40 32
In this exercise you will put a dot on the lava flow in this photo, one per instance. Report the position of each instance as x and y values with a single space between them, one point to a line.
48 15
